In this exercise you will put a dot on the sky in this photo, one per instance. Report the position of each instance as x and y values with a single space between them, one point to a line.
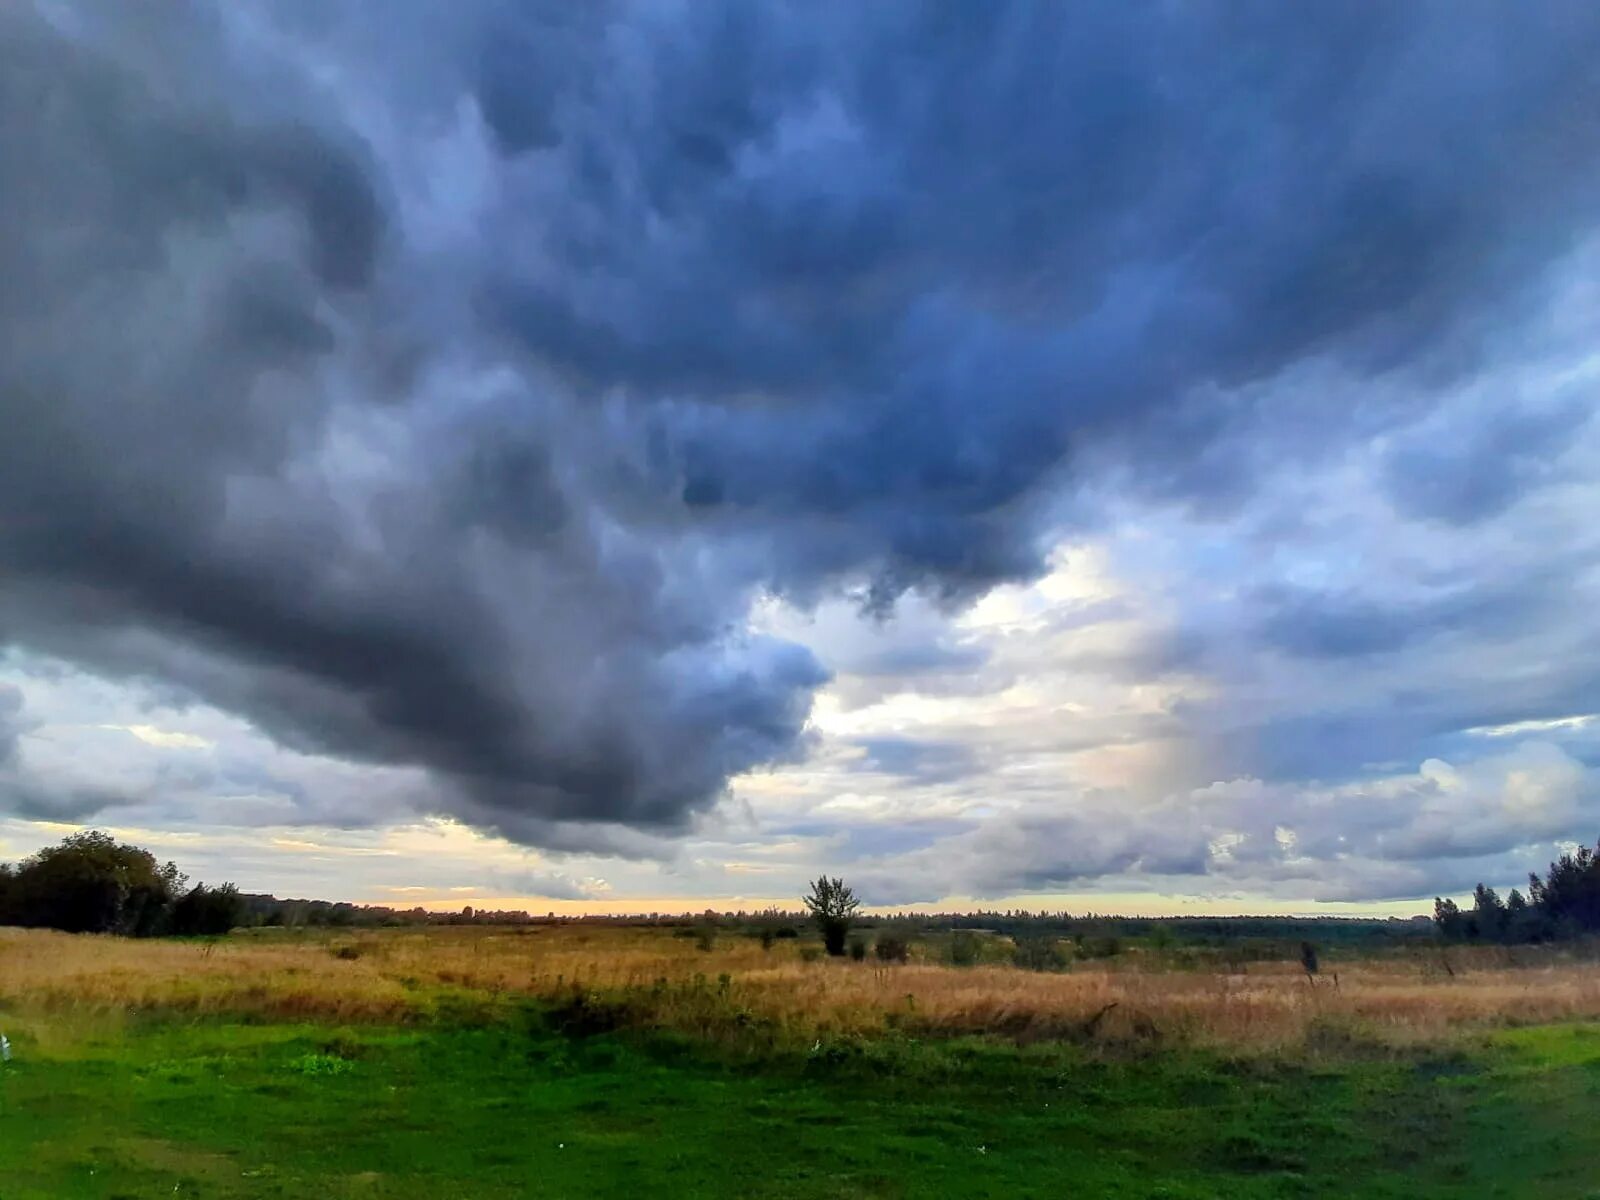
629 457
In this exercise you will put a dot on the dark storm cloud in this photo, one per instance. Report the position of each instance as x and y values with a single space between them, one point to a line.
476 462
896 264
174 280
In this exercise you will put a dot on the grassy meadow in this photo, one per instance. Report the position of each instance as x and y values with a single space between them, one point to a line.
577 1060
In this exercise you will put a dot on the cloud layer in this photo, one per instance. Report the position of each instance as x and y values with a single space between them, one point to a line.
524 413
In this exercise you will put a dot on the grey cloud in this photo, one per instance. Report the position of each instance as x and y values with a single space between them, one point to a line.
1070 249
905 661
1041 853
1400 836
1323 625
749 299
1347 714
20 792
551 885
170 359
53 802
1462 476
922 760
1369 724
11 725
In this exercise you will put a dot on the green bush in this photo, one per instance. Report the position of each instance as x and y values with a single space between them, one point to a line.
1037 954
965 948
1099 947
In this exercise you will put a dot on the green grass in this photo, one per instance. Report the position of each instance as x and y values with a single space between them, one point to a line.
157 1109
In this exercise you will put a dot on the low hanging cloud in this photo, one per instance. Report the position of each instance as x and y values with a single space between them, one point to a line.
1381 838
444 396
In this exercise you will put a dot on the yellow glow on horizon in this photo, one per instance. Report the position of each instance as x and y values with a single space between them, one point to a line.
1129 904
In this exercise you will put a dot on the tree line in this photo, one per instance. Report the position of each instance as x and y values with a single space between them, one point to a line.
1565 903
91 883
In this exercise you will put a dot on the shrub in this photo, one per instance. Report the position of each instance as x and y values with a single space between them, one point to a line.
858 949
705 937
582 1015
1036 954
965 948
892 949
1099 947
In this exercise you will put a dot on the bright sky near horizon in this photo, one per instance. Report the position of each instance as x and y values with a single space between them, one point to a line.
623 456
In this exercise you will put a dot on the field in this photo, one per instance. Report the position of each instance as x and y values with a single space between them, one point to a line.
596 1061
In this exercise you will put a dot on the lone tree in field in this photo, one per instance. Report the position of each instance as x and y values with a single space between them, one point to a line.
833 907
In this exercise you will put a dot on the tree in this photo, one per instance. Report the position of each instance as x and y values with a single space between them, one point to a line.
1489 914
1524 922
1569 895
203 910
1448 920
833 907
1564 903
91 883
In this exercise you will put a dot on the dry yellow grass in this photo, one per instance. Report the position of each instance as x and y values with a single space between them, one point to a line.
656 979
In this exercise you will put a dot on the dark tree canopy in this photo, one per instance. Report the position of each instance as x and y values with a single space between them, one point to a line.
92 883
1563 904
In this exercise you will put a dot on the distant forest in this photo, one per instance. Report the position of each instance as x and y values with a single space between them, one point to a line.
91 883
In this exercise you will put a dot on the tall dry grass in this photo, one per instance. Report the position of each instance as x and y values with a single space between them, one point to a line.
648 977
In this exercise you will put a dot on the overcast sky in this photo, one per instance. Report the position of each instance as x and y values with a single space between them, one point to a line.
1123 456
